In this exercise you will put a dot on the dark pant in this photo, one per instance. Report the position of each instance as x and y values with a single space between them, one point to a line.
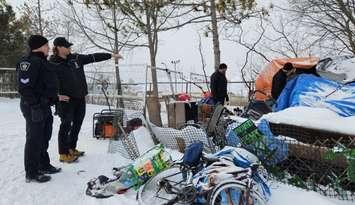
219 101
71 114
38 135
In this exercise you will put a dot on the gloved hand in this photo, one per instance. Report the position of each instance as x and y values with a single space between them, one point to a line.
37 113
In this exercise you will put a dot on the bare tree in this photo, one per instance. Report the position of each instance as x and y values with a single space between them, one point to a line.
215 36
203 62
331 20
286 37
39 20
237 34
220 12
149 18
104 27
146 19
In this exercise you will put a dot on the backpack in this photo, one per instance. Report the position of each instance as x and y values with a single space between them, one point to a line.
193 153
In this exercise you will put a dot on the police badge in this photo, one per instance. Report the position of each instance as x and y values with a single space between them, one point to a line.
24 66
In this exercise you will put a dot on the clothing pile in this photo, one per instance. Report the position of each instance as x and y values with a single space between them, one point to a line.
232 160
131 176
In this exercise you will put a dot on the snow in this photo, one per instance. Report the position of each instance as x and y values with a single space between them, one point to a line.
289 195
143 139
316 118
342 65
347 67
68 187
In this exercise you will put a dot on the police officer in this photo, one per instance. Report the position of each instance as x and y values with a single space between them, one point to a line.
219 85
38 90
72 92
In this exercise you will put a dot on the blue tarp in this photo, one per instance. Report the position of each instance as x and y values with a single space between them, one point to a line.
312 91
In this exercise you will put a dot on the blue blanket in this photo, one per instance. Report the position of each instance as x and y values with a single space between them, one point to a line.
312 91
240 159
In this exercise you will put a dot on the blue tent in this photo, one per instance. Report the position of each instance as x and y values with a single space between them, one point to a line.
313 91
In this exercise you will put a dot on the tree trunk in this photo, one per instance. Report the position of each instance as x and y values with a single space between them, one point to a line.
40 17
119 102
154 112
216 49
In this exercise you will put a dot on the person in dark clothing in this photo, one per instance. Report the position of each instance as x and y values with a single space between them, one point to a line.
311 70
38 89
280 79
288 72
219 85
72 92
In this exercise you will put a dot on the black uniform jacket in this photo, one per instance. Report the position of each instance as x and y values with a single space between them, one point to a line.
70 72
37 80
278 83
219 86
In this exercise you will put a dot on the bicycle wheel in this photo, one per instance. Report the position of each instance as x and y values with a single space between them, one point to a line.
234 193
211 129
151 193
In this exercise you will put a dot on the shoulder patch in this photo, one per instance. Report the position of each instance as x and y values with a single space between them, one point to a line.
24 80
25 65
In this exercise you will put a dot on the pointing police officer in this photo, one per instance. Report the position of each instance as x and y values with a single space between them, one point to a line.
38 90
72 92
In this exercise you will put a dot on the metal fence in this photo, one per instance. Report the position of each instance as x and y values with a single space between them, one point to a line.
8 85
307 162
136 81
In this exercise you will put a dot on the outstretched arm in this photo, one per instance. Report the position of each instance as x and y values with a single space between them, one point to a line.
96 57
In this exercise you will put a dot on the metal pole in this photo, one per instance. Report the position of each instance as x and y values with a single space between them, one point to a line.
175 62
145 93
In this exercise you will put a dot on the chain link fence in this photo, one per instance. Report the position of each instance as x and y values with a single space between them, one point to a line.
308 163
8 85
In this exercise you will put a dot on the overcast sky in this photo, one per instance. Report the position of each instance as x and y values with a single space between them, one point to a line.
183 45
180 45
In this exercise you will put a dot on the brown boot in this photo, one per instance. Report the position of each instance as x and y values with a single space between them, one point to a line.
68 158
76 152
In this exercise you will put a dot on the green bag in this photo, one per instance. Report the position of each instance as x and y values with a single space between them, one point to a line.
146 166
253 140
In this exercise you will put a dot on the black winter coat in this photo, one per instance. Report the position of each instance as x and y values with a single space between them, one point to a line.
280 79
37 80
278 83
219 86
71 75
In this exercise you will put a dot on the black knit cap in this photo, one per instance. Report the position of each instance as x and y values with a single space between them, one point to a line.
288 66
222 66
62 42
36 41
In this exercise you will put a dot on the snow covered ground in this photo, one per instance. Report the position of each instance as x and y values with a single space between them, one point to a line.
68 187
316 118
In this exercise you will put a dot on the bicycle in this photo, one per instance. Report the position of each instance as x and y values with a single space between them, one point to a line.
172 186
238 190
180 184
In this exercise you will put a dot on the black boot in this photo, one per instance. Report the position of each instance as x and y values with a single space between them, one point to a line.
40 178
50 170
